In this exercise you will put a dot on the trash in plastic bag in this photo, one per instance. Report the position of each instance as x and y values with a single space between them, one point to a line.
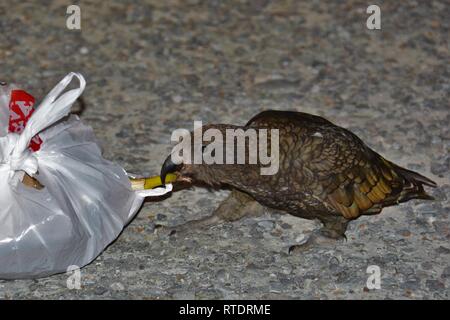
61 203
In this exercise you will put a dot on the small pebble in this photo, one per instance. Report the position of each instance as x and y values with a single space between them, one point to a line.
161 217
117 286
177 99
84 50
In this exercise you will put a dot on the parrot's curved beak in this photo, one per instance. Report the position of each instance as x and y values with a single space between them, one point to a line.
168 167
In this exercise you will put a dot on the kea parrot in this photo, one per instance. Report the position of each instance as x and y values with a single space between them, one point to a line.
325 172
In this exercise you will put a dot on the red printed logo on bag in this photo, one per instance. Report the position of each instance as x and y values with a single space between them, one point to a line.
21 107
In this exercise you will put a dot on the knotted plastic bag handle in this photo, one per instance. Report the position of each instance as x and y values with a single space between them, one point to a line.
53 108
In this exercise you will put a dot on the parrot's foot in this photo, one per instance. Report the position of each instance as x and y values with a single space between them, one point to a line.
332 232
238 205
233 208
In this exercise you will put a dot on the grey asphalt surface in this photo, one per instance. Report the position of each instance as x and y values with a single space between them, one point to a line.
155 66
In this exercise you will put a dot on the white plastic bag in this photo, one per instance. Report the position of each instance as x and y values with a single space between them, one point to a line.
85 202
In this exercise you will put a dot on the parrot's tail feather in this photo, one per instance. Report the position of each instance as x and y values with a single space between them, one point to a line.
415 178
414 188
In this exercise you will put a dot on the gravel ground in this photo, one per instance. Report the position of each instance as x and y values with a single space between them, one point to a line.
157 66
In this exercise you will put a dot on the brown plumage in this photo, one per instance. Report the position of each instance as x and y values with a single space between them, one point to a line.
325 172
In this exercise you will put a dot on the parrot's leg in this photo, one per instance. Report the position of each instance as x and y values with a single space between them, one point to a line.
333 230
238 205
234 207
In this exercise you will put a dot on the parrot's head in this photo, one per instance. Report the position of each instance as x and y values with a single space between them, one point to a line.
204 146
184 172
223 154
